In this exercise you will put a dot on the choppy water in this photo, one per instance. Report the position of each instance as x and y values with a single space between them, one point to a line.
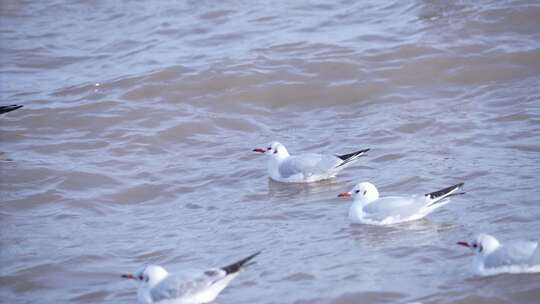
134 144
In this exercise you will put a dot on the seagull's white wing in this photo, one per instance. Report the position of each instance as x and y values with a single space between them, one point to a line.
174 287
516 253
395 206
308 164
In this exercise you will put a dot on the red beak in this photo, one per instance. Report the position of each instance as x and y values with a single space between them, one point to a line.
259 150
344 194
128 276
463 244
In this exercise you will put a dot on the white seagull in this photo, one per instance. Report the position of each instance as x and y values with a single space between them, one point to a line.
156 285
305 168
368 208
493 257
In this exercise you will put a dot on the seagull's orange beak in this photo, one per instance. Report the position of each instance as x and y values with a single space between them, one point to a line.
345 194
259 150
463 244
129 276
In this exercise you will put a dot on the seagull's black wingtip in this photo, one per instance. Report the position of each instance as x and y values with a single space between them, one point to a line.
351 156
5 109
446 192
235 267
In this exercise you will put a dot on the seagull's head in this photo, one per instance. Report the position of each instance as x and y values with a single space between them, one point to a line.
481 244
149 275
364 191
273 149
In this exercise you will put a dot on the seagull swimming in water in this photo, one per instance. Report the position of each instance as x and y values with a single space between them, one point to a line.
368 208
493 257
305 168
156 285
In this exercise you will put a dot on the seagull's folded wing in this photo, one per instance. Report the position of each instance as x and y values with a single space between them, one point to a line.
395 206
174 287
308 164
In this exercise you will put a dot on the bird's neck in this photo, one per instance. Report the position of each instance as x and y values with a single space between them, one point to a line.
478 263
356 212
143 294
273 166
362 202
358 205
281 155
277 159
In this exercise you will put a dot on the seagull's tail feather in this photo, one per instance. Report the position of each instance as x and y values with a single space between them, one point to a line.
439 195
237 266
351 157
5 109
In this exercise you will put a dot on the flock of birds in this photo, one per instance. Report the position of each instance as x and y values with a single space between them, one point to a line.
156 285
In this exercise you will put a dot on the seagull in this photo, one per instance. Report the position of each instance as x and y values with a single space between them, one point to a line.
5 109
156 285
368 208
493 257
305 168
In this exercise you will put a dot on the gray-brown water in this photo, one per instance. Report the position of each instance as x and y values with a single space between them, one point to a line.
134 145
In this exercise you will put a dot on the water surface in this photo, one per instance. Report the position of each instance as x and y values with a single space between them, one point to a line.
134 145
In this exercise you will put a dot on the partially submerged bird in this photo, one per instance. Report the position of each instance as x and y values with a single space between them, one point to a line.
305 168
368 208
5 109
156 285
493 257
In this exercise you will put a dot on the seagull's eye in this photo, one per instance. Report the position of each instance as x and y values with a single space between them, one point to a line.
365 191
269 148
141 277
474 245
357 191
